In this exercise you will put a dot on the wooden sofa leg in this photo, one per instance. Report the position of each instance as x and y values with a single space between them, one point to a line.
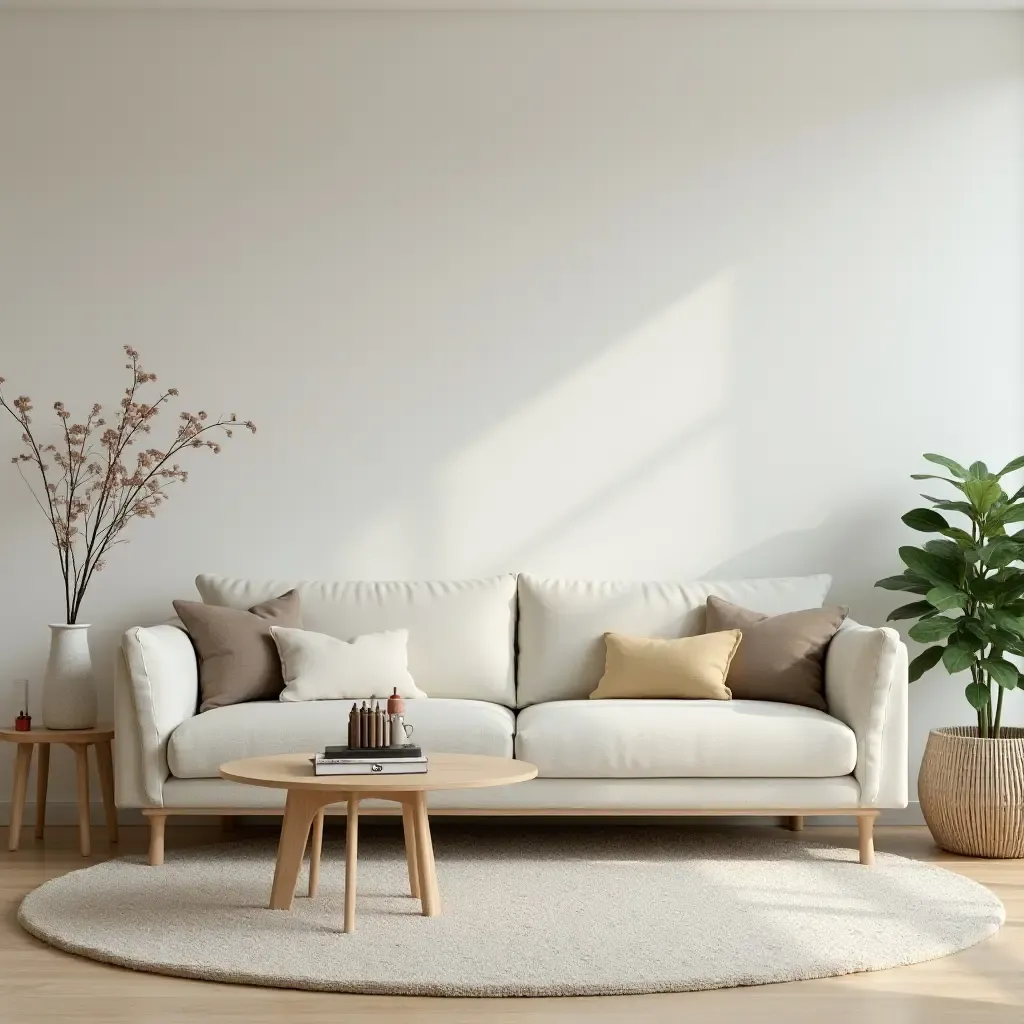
157 825
866 835
795 823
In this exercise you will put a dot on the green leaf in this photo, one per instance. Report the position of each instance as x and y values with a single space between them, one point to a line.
934 568
944 598
948 549
956 658
1002 639
962 537
952 506
982 493
1014 647
999 553
1010 621
931 476
993 588
954 467
971 634
927 659
1014 464
910 611
977 695
978 471
1002 671
929 630
1008 514
908 582
926 520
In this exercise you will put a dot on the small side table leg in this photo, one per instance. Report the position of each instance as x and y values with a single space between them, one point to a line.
42 778
351 852
82 759
105 763
316 845
22 763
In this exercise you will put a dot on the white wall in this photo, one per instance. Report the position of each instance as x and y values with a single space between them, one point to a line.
667 295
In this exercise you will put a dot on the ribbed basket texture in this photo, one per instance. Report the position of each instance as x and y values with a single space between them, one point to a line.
972 791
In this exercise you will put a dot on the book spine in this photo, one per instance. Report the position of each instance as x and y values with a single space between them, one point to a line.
367 769
370 760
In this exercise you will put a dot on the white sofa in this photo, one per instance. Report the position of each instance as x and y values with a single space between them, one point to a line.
508 664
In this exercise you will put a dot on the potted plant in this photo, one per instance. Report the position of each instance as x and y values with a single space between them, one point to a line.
971 614
90 486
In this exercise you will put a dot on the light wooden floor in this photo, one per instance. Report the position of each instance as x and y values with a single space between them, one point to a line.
982 985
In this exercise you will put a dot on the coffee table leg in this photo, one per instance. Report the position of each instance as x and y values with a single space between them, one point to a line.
299 811
316 845
409 829
351 852
429 895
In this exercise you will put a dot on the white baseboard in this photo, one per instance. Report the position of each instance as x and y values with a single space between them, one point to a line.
66 813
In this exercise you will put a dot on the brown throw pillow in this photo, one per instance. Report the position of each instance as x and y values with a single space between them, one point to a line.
238 660
690 668
781 657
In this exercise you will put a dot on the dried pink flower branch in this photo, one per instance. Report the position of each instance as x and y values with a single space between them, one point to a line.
90 489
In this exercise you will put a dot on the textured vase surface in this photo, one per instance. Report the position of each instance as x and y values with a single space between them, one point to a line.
972 791
69 688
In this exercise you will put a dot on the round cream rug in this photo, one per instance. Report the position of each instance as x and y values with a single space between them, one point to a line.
538 913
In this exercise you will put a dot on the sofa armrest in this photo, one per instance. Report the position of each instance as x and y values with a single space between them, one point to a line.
866 687
156 689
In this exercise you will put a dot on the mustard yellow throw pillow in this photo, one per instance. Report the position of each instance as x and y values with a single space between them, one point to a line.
691 668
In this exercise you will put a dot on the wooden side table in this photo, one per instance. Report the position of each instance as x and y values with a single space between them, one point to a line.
79 740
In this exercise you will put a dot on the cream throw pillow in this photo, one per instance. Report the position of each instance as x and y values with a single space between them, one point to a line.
316 666
691 668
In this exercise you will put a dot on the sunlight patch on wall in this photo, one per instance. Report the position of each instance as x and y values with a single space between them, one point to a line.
625 457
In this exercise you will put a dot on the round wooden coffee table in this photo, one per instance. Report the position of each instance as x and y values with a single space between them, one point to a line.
309 794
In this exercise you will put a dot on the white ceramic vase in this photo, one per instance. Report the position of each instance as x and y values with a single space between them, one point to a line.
69 688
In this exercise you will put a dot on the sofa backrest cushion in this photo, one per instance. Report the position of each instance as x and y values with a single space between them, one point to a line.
562 622
461 632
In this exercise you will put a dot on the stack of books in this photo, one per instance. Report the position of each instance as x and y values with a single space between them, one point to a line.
381 761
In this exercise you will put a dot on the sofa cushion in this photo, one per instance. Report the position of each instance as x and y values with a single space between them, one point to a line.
200 745
782 656
562 622
688 668
316 666
461 632
656 739
237 658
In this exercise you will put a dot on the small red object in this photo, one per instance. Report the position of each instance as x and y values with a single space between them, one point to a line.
396 705
23 723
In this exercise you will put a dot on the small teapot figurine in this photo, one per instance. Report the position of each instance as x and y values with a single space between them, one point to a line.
400 732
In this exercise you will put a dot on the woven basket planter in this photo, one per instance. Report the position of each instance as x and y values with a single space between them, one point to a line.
972 791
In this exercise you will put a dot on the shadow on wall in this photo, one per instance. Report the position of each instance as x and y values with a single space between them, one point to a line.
758 422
